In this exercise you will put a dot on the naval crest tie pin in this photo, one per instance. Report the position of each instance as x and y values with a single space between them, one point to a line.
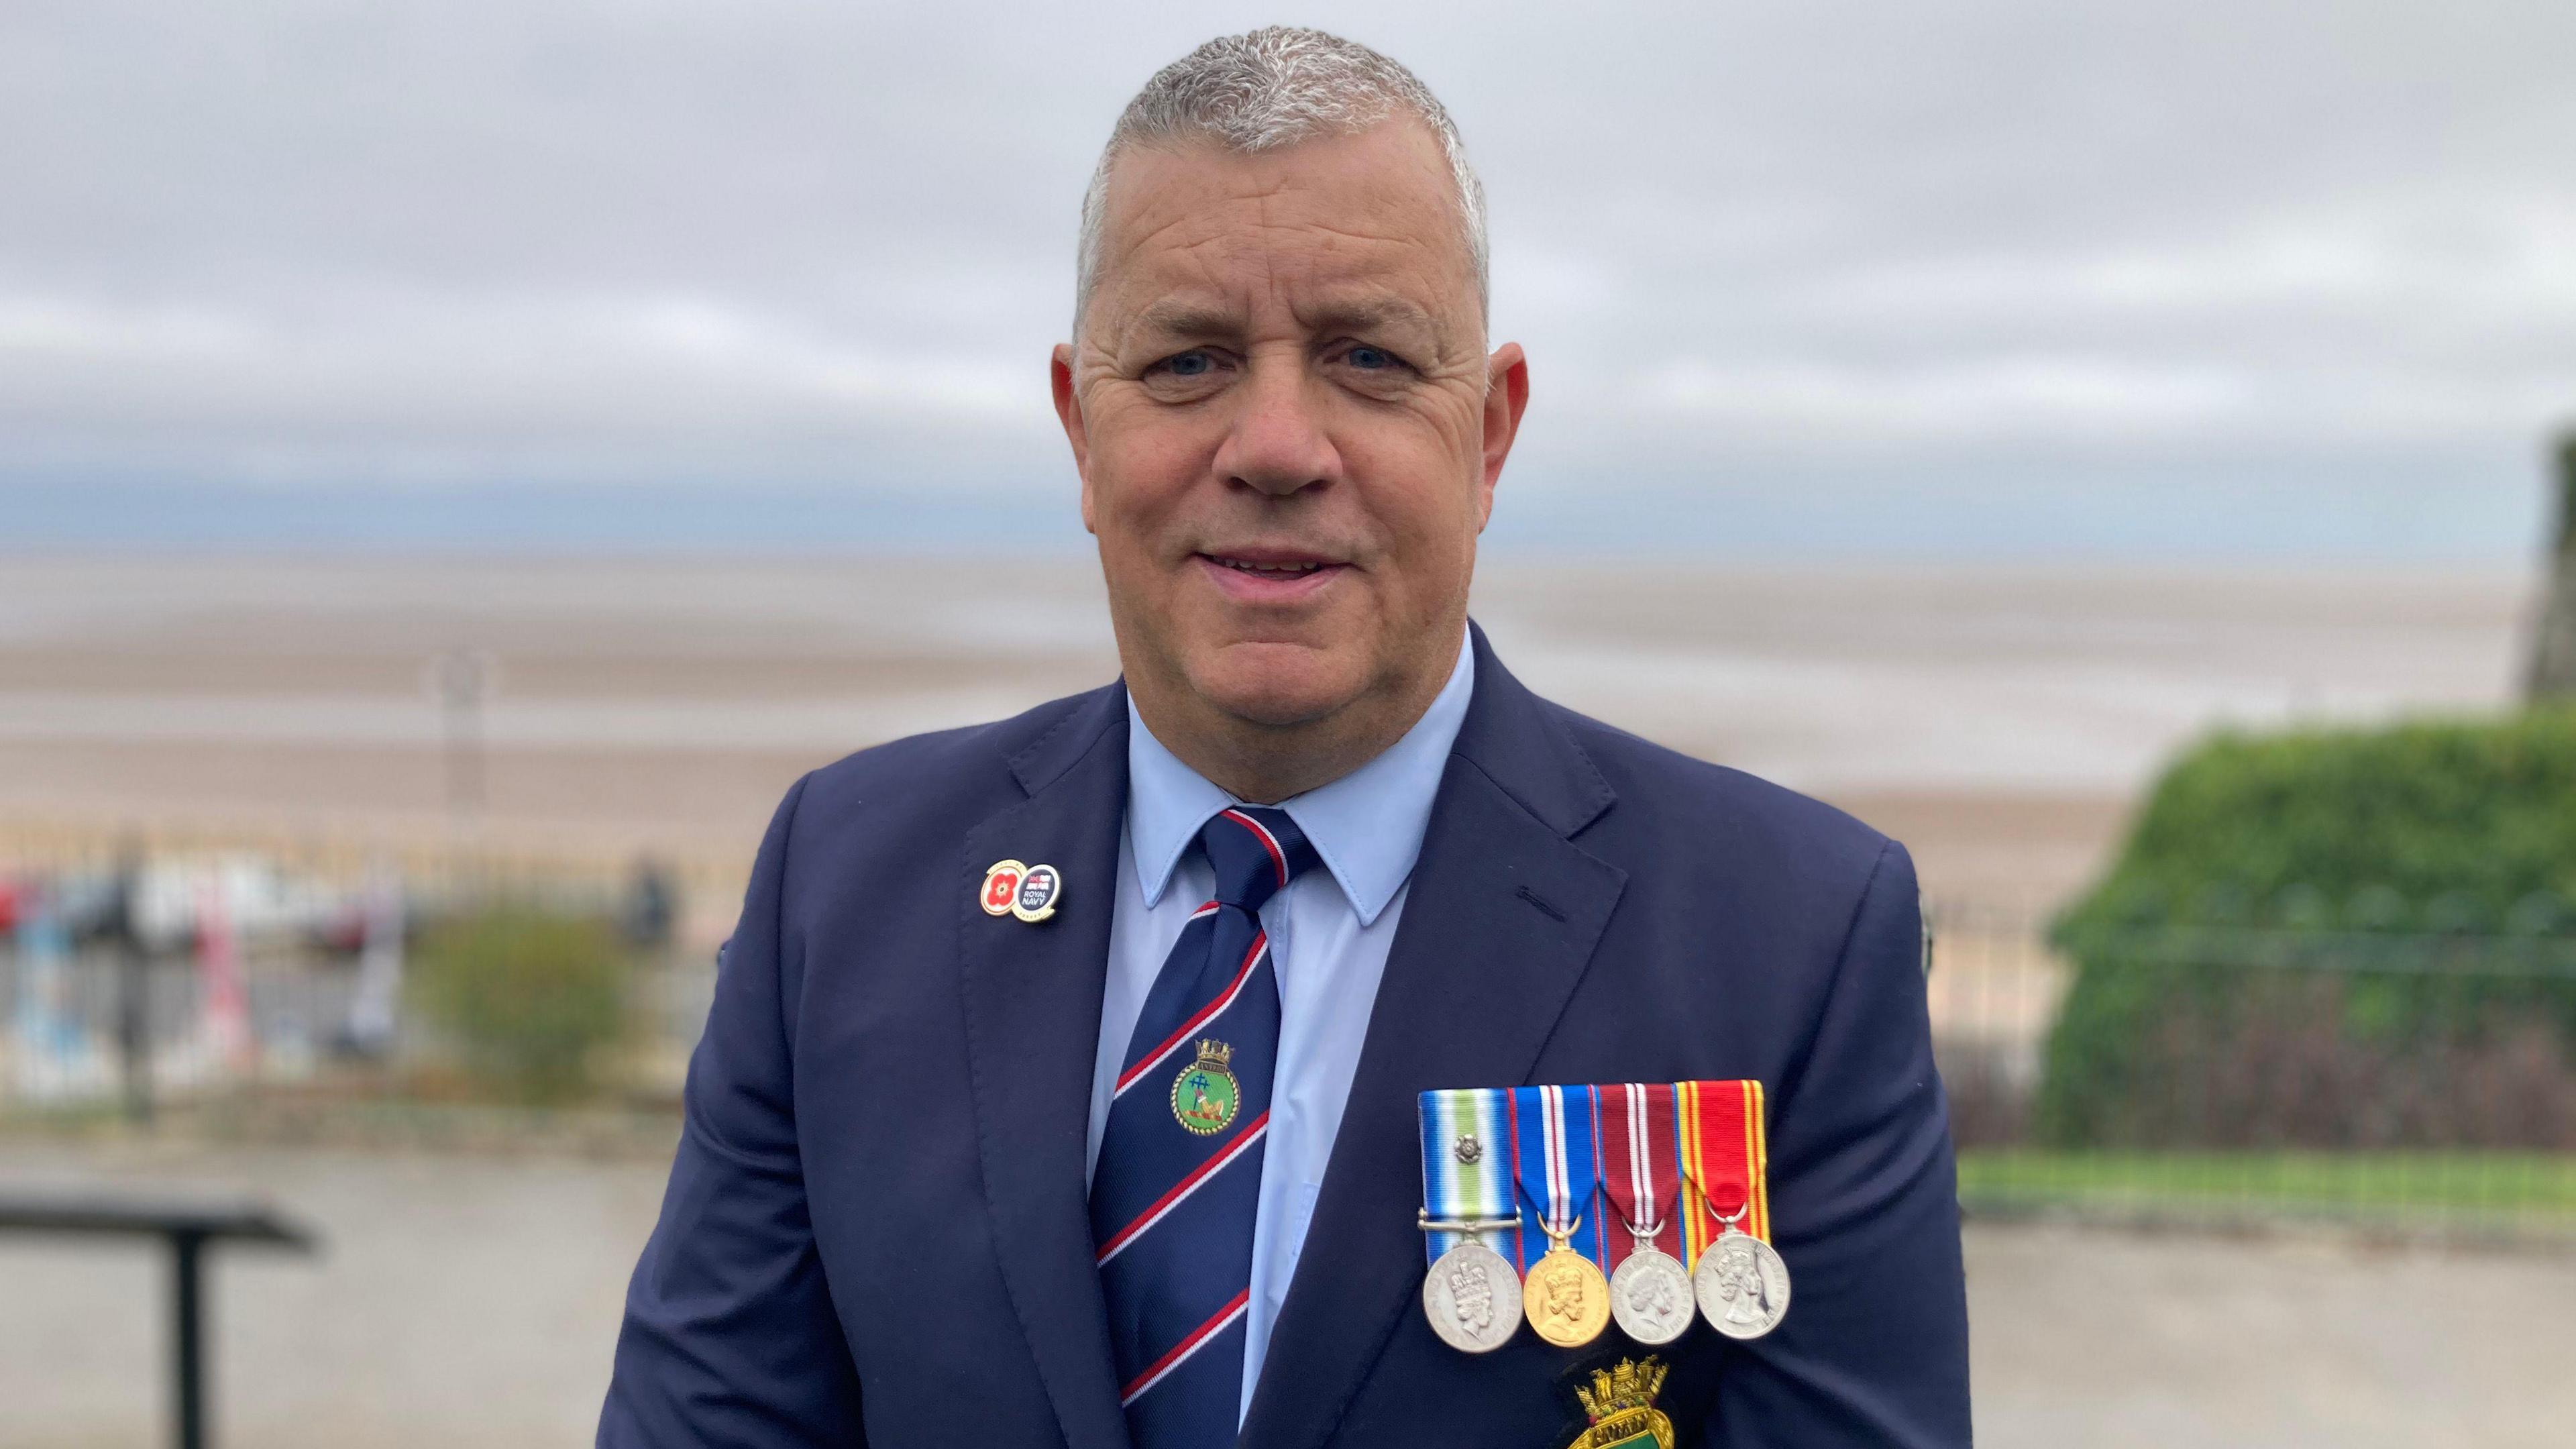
1205 1096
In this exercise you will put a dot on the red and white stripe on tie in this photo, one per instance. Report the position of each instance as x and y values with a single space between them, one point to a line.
1246 1137
1269 842
1172 1043
1182 1351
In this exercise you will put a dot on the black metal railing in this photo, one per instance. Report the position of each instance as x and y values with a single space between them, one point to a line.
2413 1080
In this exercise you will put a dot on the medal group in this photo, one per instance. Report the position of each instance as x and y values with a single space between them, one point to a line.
1640 1204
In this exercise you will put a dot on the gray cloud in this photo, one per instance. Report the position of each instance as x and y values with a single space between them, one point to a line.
1841 248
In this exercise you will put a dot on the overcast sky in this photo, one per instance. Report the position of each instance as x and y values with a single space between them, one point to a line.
2023 276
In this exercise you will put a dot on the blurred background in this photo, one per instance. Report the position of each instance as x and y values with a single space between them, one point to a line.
459 463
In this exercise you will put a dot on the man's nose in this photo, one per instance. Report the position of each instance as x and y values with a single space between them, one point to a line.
1278 444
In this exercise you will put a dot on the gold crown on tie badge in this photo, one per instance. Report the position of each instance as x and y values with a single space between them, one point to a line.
1205 1095
1621 1405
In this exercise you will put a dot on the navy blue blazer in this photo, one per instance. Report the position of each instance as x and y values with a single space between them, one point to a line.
875 1230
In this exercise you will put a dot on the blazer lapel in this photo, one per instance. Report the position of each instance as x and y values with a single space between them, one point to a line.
1032 1011
1499 926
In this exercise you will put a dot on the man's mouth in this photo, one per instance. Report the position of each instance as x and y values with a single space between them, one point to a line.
1269 576
1267 570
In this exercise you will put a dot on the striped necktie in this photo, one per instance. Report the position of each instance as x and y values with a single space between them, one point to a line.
1179 1176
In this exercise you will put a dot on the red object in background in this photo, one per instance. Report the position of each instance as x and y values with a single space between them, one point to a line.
14 896
343 931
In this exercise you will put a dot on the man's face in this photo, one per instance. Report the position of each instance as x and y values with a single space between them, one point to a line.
1286 423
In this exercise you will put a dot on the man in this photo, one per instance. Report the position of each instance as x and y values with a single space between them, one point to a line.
941 1182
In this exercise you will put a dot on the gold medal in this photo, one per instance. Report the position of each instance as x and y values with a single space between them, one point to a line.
1565 1297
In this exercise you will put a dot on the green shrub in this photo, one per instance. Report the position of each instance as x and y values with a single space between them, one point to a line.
532 999
2335 938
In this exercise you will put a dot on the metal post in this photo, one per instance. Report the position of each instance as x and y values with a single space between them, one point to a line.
133 990
134 1032
188 1337
461 680
190 1228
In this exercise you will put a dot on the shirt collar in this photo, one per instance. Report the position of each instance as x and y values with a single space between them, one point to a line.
1366 826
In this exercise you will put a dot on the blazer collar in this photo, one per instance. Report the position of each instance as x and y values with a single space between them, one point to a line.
1521 744
1499 928
1032 1010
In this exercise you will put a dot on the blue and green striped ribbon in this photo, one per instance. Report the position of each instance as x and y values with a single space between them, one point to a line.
1453 1189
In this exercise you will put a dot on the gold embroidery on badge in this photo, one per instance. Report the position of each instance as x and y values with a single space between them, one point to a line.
1621 1405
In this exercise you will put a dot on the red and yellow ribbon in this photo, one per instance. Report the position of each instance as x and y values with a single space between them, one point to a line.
1725 1160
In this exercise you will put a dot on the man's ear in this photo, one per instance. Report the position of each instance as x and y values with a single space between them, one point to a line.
1506 396
1068 411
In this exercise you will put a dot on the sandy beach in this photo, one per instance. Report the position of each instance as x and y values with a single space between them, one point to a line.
1999 720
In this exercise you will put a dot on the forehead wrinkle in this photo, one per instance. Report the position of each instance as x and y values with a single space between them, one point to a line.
1346 247
1134 247
1176 317
1267 200
1130 246
1385 304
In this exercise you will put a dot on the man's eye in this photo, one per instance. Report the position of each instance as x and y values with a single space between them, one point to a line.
1193 363
1371 358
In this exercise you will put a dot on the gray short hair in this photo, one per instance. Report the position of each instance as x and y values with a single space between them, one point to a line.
1270 88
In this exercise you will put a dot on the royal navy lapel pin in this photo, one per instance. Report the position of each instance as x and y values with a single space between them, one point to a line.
1030 892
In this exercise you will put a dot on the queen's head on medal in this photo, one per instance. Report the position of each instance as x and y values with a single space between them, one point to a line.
1473 1291
1565 1289
1739 1281
1654 1293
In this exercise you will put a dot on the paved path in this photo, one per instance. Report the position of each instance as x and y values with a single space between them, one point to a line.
468 1300
459 1301
2113 1340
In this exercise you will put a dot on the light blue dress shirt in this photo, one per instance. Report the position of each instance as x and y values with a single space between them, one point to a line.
1329 932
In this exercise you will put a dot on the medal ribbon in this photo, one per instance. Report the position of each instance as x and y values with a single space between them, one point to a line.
1725 1160
1556 1163
1460 1191
1639 1136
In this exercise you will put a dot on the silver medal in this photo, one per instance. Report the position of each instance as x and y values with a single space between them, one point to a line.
1651 1296
1743 1287
1473 1298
